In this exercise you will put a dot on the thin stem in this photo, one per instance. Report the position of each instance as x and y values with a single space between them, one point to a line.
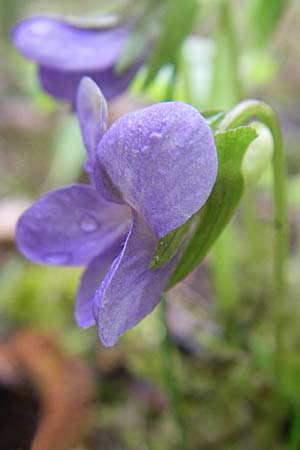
225 92
224 282
295 430
237 116
169 375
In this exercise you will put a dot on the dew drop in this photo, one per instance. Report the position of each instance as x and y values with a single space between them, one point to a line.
88 223
57 258
155 136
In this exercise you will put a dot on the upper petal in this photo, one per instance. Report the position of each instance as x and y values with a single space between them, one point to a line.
70 226
56 44
89 283
162 160
92 113
130 290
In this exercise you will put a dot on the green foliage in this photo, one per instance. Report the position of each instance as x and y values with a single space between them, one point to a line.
135 45
68 155
226 81
177 19
263 19
225 196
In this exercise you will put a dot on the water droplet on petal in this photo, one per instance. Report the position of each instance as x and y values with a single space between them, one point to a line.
155 136
88 223
57 258
145 148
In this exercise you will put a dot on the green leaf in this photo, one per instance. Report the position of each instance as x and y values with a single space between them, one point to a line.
133 48
69 153
226 89
169 244
213 118
222 202
177 19
263 19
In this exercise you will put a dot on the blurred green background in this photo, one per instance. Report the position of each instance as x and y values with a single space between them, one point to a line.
211 54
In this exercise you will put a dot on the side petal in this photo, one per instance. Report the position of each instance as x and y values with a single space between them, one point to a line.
57 44
130 290
92 113
89 283
63 84
70 226
162 160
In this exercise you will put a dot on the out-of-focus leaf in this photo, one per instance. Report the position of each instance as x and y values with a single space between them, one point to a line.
264 16
225 91
213 118
178 18
9 11
133 48
222 202
258 67
69 154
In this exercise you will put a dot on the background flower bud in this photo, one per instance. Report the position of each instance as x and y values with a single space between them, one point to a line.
258 155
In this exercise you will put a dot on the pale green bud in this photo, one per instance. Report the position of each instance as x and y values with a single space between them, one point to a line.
258 155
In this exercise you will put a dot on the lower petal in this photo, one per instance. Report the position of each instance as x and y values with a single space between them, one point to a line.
130 291
70 226
90 280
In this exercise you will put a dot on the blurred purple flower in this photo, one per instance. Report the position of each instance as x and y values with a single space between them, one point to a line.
151 170
65 53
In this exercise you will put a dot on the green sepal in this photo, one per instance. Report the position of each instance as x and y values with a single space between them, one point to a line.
222 202
169 244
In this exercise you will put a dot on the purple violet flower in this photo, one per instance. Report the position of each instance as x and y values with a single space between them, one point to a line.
151 170
65 53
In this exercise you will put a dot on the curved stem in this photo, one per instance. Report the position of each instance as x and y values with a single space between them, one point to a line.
237 116
170 378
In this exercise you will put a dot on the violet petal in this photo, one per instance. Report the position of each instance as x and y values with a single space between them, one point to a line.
70 226
161 160
89 283
56 44
92 113
130 290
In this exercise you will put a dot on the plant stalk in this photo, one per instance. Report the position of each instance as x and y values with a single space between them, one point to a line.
237 116
169 375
